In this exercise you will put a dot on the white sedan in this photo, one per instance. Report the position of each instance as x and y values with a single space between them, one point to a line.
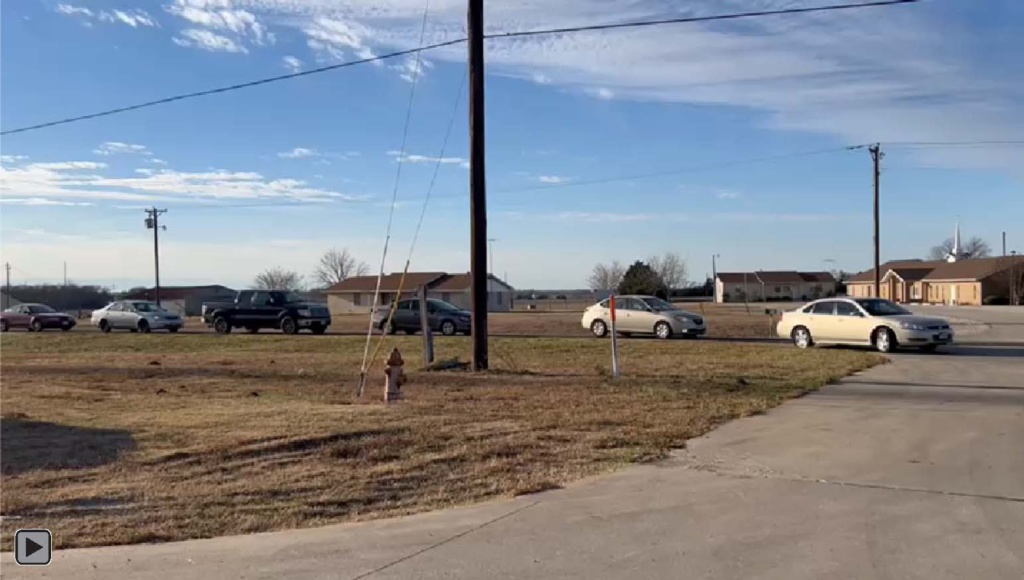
136 316
863 321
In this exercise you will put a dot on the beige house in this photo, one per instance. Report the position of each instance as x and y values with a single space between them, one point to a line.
356 294
965 282
787 285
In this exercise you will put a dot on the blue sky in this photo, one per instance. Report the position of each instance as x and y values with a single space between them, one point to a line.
683 109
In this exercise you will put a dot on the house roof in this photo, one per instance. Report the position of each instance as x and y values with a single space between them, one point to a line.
176 292
911 274
775 277
974 269
898 265
388 283
462 282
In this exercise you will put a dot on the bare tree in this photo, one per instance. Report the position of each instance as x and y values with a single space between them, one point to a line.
278 278
671 267
337 265
973 248
606 276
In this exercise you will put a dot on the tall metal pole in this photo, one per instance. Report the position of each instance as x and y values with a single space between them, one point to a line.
876 157
490 255
714 279
1004 244
7 268
477 185
65 273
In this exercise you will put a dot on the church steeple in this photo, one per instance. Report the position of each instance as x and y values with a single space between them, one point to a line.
955 253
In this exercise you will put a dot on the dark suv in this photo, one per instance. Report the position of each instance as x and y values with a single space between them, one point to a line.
442 317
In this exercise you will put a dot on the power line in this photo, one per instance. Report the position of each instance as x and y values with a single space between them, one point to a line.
498 35
691 19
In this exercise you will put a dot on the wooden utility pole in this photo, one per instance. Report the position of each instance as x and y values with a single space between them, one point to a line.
153 223
7 268
477 186
876 157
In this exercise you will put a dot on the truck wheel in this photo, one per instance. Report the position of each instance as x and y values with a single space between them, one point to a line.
318 329
288 325
221 325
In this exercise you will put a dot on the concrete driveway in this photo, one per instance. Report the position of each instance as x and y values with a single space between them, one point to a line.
912 470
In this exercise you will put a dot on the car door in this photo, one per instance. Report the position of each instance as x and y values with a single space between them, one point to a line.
261 310
627 311
113 315
822 321
852 325
643 317
19 317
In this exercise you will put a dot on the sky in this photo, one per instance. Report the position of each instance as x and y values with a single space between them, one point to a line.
725 138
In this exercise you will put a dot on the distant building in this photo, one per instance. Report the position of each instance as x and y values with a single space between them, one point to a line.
8 301
356 294
783 286
963 281
185 300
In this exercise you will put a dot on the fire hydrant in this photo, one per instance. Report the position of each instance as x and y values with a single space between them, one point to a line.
394 377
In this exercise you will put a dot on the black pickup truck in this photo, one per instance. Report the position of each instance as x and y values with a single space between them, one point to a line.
256 309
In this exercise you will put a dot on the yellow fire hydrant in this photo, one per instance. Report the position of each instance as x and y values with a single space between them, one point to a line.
394 377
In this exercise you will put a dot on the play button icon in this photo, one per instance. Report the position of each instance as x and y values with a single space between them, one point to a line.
33 547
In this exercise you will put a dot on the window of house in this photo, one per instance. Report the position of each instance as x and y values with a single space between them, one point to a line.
357 299
497 298
446 296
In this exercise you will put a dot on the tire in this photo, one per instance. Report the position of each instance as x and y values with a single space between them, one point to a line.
4 326
410 331
65 328
289 326
802 337
173 329
599 329
105 326
448 328
884 340
663 330
144 327
35 325
388 328
252 329
221 325
319 329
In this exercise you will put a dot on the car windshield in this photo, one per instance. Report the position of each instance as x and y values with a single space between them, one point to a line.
40 309
444 306
146 307
291 298
879 307
659 305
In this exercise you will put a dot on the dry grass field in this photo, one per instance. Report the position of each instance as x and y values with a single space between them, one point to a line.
126 438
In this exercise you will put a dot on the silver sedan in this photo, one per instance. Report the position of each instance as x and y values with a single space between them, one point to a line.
136 316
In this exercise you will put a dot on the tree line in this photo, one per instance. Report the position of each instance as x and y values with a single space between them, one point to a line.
335 265
657 276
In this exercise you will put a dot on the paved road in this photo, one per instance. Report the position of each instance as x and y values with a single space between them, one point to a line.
910 470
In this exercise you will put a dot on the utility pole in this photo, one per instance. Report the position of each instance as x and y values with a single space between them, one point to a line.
153 223
876 158
1004 244
7 268
490 255
714 278
477 186
65 273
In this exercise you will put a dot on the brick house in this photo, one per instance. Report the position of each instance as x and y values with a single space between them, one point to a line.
356 294
965 282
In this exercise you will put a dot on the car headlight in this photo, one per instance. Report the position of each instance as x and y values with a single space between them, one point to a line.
912 326
684 319
304 312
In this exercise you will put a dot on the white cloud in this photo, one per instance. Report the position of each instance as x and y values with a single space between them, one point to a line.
222 17
410 68
206 40
728 194
552 179
298 153
66 181
292 63
331 38
40 201
407 158
156 161
134 18
74 10
612 217
12 158
115 147
601 93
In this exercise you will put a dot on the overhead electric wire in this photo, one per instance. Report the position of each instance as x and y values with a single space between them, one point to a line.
493 36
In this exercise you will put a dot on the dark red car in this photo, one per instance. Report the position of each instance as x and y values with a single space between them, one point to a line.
35 317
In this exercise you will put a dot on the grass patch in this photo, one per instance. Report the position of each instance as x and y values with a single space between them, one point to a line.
126 438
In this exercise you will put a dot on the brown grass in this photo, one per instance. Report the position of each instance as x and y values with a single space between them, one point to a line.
126 438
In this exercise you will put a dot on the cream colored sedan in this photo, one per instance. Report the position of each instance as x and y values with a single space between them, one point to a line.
875 322
642 315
